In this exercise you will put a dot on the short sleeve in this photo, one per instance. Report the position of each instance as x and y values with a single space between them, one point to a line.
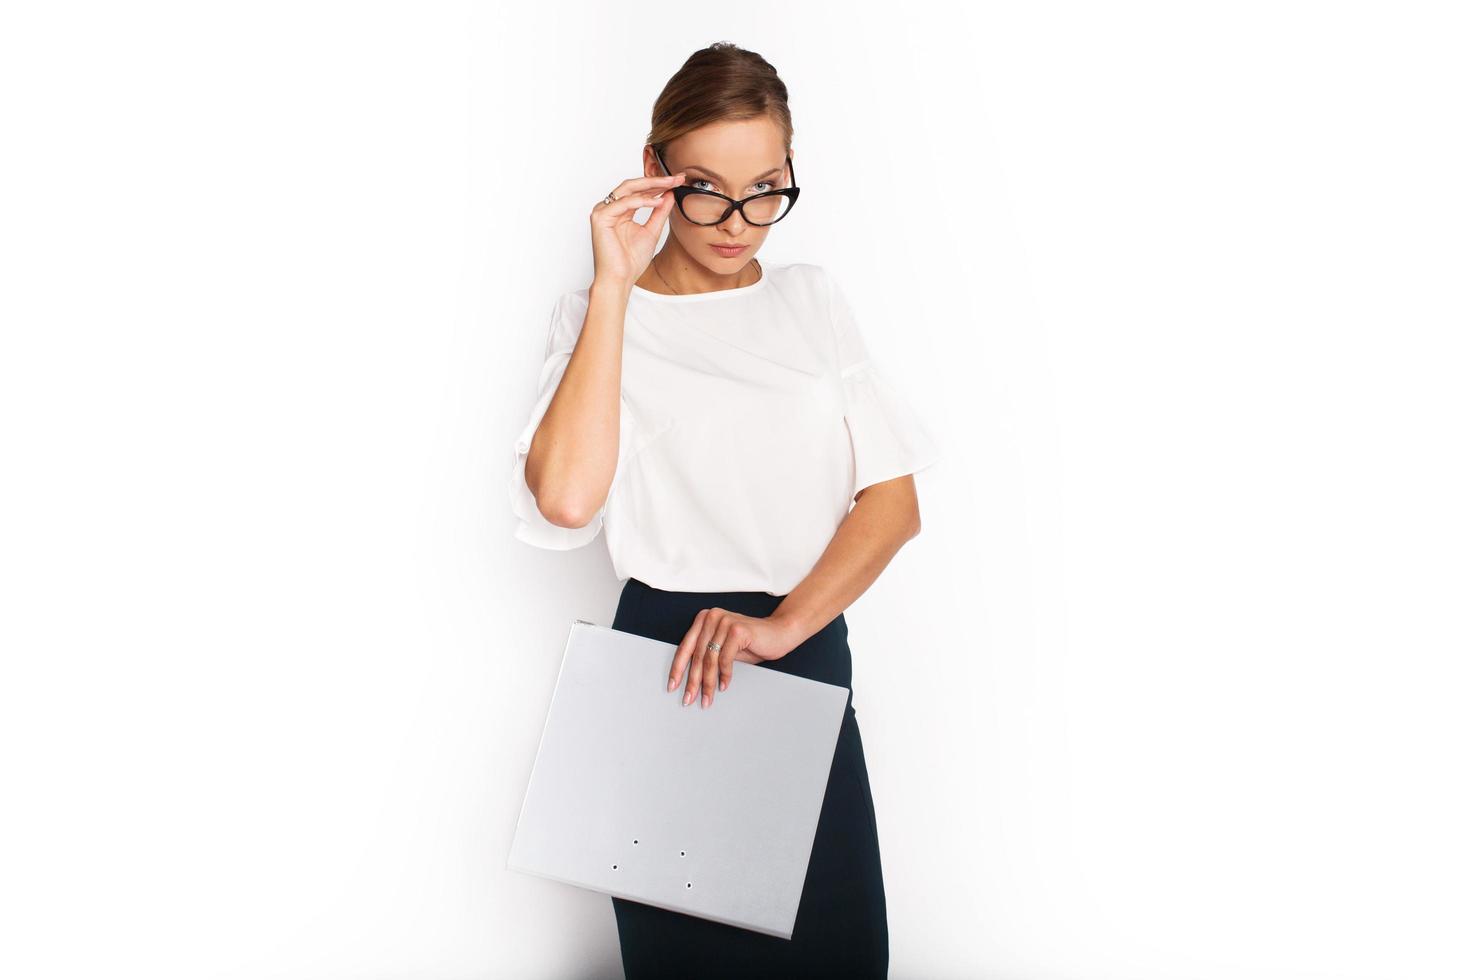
532 527
889 439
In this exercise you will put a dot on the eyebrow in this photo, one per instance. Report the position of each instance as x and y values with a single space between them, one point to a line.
706 170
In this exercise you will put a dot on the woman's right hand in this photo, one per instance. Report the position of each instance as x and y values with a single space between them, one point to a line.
621 247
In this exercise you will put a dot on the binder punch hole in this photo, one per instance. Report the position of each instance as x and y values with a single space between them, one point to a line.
682 853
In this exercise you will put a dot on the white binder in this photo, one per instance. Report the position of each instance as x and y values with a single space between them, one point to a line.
706 811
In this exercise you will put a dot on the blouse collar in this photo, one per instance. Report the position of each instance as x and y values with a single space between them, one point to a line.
708 294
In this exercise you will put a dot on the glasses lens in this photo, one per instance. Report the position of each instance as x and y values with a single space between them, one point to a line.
764 210
706 209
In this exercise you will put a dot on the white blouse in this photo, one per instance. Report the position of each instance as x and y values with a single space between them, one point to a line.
749 419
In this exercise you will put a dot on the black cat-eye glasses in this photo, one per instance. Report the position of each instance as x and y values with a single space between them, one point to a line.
710 208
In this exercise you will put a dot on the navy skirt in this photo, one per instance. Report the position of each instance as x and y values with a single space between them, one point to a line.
842 919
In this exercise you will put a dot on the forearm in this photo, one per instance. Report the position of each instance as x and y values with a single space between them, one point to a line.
884 518
574 451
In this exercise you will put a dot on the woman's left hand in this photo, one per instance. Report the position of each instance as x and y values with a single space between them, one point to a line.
751 639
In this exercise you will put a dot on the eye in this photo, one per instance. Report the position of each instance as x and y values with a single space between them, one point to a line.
769 185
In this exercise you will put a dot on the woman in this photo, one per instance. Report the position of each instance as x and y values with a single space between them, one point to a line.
718 418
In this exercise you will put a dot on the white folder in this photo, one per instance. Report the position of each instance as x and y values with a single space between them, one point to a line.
706 811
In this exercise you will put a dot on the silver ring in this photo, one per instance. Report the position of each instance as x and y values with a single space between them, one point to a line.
609 199
712 645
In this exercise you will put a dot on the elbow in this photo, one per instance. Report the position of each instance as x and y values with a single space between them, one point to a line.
569 515
560 507
915 525
566 511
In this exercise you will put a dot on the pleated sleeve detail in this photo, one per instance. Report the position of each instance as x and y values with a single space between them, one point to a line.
889 438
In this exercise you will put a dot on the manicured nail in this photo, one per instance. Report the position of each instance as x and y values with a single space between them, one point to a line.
672 682
707 700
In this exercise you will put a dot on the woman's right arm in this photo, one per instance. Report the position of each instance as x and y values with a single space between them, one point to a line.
574 453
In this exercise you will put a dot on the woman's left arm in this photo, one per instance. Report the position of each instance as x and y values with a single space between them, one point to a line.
884 518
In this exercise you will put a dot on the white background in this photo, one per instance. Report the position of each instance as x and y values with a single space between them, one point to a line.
1172 684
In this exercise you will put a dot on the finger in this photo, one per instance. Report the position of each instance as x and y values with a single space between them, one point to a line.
696 665
716 673
709 671
695 656
655 222
644 191
683 652
708 677
653 225
609 213
644 183
735 639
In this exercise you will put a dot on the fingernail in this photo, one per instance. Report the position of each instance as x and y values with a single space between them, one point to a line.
707 700
723 685
688 698
672 682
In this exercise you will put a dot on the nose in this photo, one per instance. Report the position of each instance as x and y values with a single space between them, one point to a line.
733 225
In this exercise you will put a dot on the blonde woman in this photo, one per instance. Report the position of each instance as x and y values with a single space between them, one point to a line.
721 421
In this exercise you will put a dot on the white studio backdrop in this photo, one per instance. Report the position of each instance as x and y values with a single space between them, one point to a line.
1170 686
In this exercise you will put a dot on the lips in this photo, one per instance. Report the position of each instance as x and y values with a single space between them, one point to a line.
727 249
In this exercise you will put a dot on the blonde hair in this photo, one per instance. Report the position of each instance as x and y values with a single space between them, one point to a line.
720 83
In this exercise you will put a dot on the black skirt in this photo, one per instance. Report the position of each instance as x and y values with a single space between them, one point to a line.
842 919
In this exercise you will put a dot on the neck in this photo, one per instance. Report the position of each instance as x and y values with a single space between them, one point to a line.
673 272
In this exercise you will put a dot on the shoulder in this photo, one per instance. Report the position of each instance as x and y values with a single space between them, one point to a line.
821 286
807 274
809 281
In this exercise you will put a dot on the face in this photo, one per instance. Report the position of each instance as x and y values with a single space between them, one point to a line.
736 159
